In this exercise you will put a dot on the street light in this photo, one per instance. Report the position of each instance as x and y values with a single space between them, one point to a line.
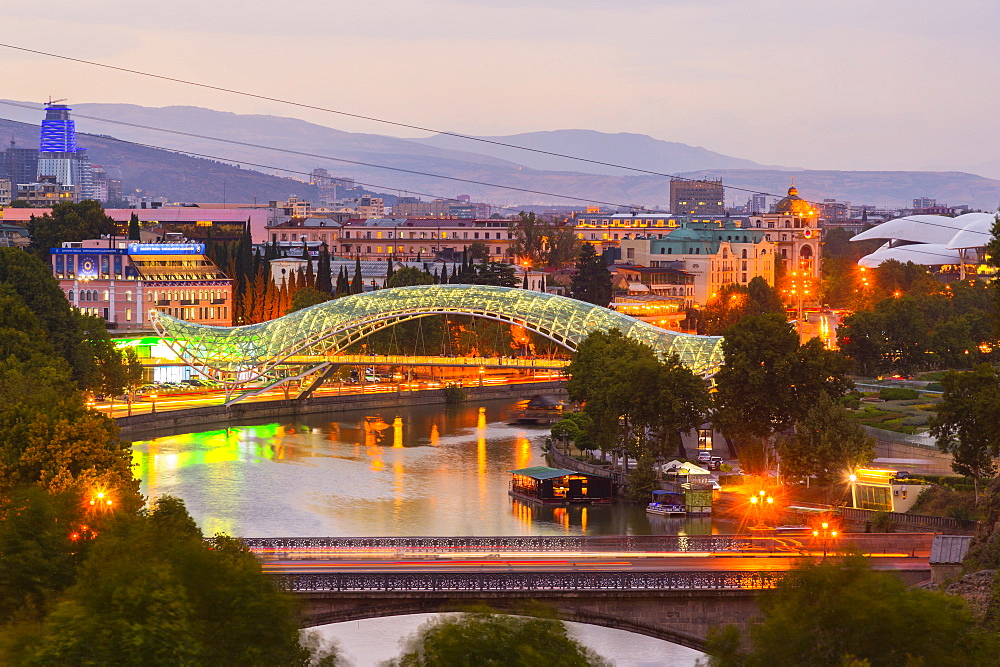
482 371
152 397
827 532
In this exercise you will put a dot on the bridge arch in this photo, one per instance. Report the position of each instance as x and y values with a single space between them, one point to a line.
680 616
246 353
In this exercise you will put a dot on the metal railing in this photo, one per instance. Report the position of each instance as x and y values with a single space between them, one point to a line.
869 543
493 582
923 440
911 520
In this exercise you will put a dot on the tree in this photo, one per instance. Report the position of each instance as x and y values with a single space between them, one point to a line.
357 282
563 245
827 444
768 381
843 613
133 228
68 222
323 278
498 274
592 281
764 297
306 297
409 276
966 424
993 259
479 251
528 244
486 638
152 591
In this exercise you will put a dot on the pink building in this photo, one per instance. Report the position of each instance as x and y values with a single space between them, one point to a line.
124 283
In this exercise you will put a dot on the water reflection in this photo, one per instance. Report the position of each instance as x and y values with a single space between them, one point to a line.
426 470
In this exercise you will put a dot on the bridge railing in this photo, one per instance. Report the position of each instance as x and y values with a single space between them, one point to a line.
528 581
908 544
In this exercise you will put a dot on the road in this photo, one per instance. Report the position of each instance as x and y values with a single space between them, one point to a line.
197 399
602 563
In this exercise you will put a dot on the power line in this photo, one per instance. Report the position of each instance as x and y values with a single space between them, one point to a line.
373 119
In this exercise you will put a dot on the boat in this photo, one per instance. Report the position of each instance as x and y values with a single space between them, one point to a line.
541 410
667 503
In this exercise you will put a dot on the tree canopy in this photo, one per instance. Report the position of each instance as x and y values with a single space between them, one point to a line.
827 443
68 222
592 280
486 639
843 613
769 381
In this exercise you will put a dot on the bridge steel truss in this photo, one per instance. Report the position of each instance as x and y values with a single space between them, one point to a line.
528 581
237 355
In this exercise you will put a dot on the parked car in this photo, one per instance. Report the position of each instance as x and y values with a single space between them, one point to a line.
715 463
704 456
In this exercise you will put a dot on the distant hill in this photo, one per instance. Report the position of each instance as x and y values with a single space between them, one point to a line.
624 148
529 178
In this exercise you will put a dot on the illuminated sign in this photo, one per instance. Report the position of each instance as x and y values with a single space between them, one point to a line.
87 266
166 248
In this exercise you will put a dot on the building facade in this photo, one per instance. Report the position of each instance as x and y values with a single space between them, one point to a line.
794 229
712 255
59 156
689 197
123 283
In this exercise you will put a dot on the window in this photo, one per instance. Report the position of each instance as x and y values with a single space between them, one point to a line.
704 438
128 314
106 295
670 251
630 253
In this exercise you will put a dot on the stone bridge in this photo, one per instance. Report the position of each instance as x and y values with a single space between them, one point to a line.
679 607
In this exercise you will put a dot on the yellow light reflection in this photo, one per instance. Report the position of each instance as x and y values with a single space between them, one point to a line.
397 432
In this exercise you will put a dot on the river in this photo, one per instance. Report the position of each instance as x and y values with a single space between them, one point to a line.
422 470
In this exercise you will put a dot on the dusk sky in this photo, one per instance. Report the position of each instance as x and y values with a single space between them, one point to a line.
849 84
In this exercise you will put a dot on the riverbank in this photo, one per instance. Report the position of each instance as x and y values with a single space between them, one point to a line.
176 421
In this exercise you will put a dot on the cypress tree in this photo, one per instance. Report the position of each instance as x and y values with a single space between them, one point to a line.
357 283
524 284
388 269
437 277
541 284
323 278
284 296
133 228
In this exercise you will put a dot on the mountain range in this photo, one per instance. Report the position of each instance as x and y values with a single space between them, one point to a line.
486 171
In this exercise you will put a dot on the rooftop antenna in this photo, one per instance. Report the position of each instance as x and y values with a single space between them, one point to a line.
52 101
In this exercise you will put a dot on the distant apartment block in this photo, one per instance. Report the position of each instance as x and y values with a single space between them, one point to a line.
412 207
697 197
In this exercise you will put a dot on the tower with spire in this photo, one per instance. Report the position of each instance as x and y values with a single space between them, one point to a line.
793 227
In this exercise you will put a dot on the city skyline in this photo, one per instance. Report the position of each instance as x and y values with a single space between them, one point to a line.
843 86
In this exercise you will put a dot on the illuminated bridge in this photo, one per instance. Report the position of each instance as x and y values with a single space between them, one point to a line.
238 355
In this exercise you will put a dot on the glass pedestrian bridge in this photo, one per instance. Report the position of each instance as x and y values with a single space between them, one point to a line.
239 355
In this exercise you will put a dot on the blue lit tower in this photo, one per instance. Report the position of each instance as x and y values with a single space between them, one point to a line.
58 131
58 155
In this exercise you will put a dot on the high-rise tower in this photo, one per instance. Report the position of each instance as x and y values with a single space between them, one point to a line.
59 156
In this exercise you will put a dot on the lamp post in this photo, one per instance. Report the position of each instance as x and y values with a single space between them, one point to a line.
482 371
152 397
827 533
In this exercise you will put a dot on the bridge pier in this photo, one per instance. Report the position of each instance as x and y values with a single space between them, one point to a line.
681 617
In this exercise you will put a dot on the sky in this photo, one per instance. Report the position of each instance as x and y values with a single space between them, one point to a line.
844 84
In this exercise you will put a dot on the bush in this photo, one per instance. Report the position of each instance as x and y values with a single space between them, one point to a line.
453 393
897 394
934 386
725 467
730 480
881 522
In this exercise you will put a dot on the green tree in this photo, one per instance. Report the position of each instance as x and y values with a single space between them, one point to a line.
499 274
308 296
357 282
528 244
966 423
479 251
563 245
408 276
769 381
827 443
152 591
133 228
843 613
993 259
487 639
592 281
68 222
765 298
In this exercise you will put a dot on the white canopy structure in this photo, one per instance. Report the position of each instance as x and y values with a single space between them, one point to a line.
931 240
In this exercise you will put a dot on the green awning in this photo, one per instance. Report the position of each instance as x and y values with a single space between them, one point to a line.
543 472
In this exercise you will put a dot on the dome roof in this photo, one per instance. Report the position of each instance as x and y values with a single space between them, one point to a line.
683 234
793 204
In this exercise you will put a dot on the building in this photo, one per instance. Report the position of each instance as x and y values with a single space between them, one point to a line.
5 192
100 179
326 186
20 165
45 191
663 311
712 255
689 197
757 203
410 238
924 202
59 156
793 227
608 230
370 208
556 486
123 281
411 207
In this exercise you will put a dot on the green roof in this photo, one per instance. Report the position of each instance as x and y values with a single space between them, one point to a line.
543 472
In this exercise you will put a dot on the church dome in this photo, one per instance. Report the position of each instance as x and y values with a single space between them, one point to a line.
793 204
